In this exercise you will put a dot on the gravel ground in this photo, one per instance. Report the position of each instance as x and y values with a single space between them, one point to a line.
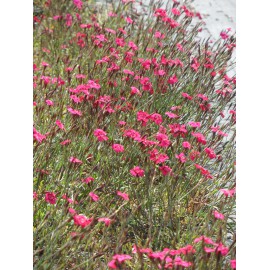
217 15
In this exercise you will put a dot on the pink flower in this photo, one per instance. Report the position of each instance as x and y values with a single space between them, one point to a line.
74 112
156 157
179 261
88 180
82 220
118 148
94 196
120 42
49 102
132 45
133 134
210 153
186 95
50 197
218 215
59 124
179 47
129 20
186 145
143 117
227 192
78 3
101 135
93 84
112 264
163 140
156 118
35 196
121 123
160 72
181 157
38 136
194 124
135 91
194 154
45 64
71 211
107 221
165 170
118 259
75 160
233 264
65 142
123 195
176 11
68 20
171 115
200 138
122 257
178 130
224 35
203 171
137 172
172 80
129 72
223 250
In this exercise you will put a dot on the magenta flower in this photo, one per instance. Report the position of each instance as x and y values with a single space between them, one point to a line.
165 170
181 157
233 264
100 135
74 112
82 220
65 142
137 172
75 160
107 221
50 197
94 196
88 180
118 148
38 136
218 215
186 145
123 195
227 192
171 115
59 124
49 102
173 79
194 124
210 153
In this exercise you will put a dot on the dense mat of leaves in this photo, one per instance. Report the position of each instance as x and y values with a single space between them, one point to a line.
134 138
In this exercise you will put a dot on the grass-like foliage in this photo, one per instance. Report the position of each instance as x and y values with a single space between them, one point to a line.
134 138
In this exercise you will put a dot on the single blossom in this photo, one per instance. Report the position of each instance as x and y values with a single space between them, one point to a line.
118 148
107 221
94 196
82 220
75 160
59 124
228 192
49 102
137 172
233 264
218 215
100 135
186 145
50 197
123 195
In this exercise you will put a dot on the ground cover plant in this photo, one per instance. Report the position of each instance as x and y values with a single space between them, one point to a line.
134 138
